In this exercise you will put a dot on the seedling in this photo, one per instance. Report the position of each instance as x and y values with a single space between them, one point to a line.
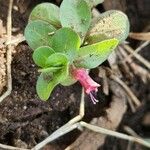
58 37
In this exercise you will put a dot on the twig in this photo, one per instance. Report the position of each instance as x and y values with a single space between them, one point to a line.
137 56
133 109
127 89
138 70
115 134
7 147
9 56
142 46
140 36
124 65
137 50
131 131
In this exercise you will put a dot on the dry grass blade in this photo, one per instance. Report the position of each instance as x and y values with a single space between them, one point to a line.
81 111
137 56
131 131
140 36
138 70
61 131
142 46
137 50
127 89
9 52
115 134
7 147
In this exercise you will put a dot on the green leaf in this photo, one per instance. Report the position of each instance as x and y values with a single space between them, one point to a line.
46 12
37 34
47 81
45 85
41 54
93 55
92 3
75 14
57 60
50 69
65 40
111 24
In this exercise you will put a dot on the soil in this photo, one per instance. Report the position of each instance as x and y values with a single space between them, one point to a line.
25 120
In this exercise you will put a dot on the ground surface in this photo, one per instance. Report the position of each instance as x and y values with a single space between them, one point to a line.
25 120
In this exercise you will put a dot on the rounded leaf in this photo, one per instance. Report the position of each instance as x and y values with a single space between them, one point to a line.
75 14
48 80
46 12
93 55
111 24
37 34
41 54
56 60
65 40
44 86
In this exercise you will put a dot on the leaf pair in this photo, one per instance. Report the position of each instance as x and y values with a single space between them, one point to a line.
54 70
75 14
46 18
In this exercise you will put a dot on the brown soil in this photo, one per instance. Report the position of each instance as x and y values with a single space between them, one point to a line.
25 120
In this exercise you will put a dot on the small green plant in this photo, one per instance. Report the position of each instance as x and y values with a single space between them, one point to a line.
67 41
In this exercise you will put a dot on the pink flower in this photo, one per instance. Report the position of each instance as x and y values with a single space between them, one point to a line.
90 86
